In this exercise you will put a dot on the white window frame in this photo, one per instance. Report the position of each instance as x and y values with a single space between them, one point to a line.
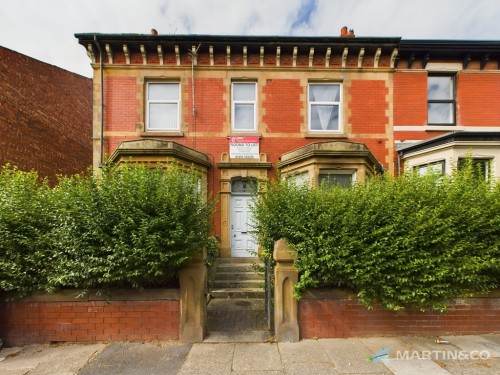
438 166
332 103
170 101
234 103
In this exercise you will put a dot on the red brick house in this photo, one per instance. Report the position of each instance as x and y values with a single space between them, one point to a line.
332 109
45 116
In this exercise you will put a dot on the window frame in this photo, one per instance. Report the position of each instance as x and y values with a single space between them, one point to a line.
244 102
487 163
427 166
338 104
330 171
452 100
166 101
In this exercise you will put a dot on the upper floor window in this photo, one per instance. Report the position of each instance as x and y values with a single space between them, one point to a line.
324 107
163 106
244 109
440 100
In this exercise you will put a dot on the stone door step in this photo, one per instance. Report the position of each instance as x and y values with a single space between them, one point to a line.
238 337
237 293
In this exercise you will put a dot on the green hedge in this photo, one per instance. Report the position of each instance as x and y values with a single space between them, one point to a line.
403 242
133 227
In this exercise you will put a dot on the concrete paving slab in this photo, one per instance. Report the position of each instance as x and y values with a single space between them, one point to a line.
476 345
256 357
492 337
351 356
428 345
236 304
476 367
308 351
7 352
397 346
414 367
237 336
309 369
49 359
138 358
208 359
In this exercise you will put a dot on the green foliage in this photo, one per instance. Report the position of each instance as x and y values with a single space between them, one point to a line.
133 227
402 242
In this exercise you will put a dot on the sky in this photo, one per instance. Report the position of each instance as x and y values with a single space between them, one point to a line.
44 29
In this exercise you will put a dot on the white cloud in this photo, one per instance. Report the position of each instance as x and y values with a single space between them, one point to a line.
44 29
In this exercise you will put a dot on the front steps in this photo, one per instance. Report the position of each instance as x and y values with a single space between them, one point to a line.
238 278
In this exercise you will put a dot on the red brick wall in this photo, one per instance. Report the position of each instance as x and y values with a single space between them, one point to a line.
45 116
410 98
282 105
368 106
25 322
121 104
477 99
343 315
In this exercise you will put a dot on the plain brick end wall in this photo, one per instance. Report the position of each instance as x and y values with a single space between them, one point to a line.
25 323
348 317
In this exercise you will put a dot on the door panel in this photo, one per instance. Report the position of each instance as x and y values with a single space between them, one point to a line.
242 242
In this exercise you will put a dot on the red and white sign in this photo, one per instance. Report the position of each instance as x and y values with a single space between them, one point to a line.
244 147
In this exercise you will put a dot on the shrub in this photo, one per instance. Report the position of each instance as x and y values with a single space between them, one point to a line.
403 242
132 228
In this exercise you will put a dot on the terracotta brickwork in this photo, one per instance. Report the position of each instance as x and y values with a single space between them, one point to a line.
368 106
30 322
410 98
45 117
329 314
283 105
478 97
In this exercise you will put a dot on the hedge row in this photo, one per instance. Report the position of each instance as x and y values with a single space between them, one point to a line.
133 227
403 242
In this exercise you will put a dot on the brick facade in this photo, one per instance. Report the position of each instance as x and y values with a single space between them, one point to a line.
45 116
334 313
55 318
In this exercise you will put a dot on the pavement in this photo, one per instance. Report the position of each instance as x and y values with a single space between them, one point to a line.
404 356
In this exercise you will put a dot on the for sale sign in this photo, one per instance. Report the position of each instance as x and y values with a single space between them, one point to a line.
244 147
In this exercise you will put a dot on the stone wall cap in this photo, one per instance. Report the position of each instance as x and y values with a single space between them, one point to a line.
283 252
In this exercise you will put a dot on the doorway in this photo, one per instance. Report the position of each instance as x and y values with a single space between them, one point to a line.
243 244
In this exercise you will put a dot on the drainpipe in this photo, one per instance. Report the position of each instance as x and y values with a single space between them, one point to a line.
102 101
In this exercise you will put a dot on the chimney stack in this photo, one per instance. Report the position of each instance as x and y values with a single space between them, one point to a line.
345 33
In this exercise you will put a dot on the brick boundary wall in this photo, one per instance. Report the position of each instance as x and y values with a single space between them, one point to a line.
63 317
331 313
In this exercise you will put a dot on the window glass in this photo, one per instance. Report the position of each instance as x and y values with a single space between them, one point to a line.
163 106
440 88
481 167
441 100
244 117
324 107
436 167
440 113
335 177
299 179
244 106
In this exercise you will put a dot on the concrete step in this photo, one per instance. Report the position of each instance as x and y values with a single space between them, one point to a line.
237 293
235 267
239 276
238 260
238 283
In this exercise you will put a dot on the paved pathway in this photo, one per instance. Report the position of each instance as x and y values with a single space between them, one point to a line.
466 355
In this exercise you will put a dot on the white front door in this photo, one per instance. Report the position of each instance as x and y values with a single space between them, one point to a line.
242 242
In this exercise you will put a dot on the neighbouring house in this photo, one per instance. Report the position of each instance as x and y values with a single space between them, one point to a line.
45 117
319 109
